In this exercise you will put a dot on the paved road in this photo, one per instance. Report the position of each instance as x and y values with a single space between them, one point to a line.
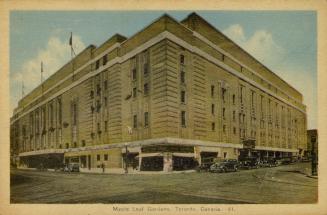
283 184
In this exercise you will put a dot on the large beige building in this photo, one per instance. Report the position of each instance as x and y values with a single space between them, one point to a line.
172 93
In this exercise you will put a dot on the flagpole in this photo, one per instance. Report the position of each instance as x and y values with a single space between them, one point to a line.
72 53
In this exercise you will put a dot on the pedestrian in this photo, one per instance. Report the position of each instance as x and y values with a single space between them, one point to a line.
103 167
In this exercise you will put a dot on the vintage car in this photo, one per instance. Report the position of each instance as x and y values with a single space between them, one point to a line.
269 162
71 167
249 163
205 164
225 166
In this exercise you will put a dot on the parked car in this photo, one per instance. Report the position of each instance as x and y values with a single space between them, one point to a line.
71 167
249 163
205 164
224 166
270 162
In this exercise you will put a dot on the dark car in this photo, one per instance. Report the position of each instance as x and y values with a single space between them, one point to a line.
224 166
270 162
249 163
205 164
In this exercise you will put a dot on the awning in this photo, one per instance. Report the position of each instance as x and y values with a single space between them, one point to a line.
189 155
42 152
149 155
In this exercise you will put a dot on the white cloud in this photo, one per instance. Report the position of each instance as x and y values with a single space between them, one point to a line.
54 56
260 44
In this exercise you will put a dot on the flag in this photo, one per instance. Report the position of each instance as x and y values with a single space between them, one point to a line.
71 39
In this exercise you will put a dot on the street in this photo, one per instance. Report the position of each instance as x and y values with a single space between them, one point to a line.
282 184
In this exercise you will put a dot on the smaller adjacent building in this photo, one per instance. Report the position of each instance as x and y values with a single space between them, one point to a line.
312 143
312 150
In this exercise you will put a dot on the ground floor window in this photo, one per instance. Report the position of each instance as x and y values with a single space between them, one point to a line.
152 163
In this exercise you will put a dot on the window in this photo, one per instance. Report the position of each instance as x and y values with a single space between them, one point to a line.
183 96
74 114
98 157
223 92
92 94
212 108
75 144
224 113
134 92
106 126
234 116
51 114
252 98
224 129
181 59
105 157
146 119
104 60
97 64
233 99
60 111
241 92
212 90
105 84
183 118
98 89
183 77
134 74
146 89
98 106
213 126
135 121
83 143
225 154
105 101
146 69
98 128
234 130
43 118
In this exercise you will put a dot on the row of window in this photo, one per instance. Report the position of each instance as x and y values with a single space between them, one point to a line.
146 90
145 71
146 120
104 61
105 157
98 89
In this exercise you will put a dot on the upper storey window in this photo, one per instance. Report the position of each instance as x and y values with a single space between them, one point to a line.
105 59
242 93
182 59
97 64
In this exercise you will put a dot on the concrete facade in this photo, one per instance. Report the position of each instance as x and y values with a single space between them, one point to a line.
173 90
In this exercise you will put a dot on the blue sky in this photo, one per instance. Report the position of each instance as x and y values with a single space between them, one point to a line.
284 41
